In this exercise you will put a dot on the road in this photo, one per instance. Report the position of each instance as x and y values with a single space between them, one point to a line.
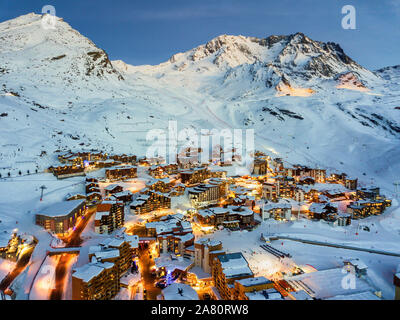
74 239
20 266
61 273
145 265
68 259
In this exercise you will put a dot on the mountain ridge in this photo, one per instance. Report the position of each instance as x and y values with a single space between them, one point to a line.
306 100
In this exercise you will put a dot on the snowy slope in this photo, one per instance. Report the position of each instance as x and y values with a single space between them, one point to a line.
307 100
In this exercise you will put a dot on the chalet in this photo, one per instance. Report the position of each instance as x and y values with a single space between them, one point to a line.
121 173
93 189
67 171
112 189
76 196
308 180
92 186
124 196
123 158
194 176
145 203
217 172
230 217
178 190
94 196
343 219
278 164
162 185
320 211
173 234
285 189
162 170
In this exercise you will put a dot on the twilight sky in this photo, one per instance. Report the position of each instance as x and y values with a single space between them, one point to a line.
150 31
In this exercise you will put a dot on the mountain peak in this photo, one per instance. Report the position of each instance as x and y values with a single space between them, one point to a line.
58 56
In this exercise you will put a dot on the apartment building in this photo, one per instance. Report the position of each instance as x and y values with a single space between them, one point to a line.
228 268
209 193
109 217
154 200
95 281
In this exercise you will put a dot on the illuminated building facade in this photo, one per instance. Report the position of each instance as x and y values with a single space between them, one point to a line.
121 173
61 217
208 193
109 217
145 203
228 268
95 281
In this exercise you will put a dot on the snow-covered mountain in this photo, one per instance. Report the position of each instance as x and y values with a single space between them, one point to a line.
307 100
280 62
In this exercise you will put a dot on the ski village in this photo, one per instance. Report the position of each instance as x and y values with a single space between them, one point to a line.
310 211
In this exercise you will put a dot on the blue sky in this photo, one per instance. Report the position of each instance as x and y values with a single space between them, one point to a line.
150 31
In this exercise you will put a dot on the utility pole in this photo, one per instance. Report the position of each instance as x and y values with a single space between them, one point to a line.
41 195
396 188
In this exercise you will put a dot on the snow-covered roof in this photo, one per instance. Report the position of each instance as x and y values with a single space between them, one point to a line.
179 291
101 214
170 263
111 187
317 207
366 295
330 188
248 282
328 283
279 205
62 208
234 265
199 272
270 294
107 254
133 240
123 193
186 237
91 270
130 279
301 295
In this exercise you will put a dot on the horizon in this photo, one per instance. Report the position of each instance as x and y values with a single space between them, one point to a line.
372 44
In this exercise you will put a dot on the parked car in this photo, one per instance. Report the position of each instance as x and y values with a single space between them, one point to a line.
206 296
161 284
